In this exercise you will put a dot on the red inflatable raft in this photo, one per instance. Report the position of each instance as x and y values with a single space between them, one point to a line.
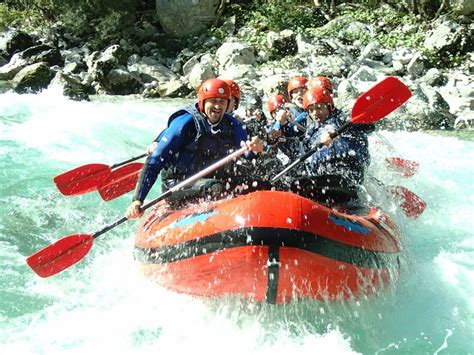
268 246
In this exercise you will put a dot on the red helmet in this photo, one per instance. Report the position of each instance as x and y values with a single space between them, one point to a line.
211 89
295 83
234 91
275 102
321 82
317 95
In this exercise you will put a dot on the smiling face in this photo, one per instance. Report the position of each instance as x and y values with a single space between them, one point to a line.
297 96
215 108
319 112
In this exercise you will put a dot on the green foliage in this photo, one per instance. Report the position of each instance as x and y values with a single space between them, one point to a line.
393 35
100 22
389 34
444 60
25 17
103 22
7 17
261 16
371 4
278 15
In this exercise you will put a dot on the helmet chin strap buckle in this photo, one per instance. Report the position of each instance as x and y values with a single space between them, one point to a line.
214 130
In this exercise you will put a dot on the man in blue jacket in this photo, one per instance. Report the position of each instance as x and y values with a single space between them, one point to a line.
337 169
197 136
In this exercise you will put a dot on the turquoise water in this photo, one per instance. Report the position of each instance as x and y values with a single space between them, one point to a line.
102 304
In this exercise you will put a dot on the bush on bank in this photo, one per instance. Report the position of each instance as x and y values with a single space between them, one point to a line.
104 22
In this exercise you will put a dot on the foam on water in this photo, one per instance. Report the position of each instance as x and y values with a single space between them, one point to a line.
103 304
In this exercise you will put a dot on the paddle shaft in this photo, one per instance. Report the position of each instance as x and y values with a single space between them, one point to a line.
309 153
177 187
128 161
298 125
407 167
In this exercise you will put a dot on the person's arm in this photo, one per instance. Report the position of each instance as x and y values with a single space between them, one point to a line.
347 146
291 127
302 118
241 137
240 134
175 136
152 146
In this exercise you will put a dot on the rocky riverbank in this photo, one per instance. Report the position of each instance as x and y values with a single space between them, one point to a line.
443 98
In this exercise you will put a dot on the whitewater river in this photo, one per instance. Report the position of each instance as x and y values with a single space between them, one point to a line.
103 305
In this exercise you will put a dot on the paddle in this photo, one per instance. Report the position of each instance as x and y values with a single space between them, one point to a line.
411 204
87 178
298 125
369 107
404 167
120 181
70 249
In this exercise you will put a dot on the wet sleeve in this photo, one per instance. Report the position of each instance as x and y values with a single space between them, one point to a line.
177 135
157 139
240 135
302 118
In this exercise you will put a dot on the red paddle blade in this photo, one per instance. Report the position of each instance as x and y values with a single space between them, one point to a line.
82 179
120 182
380 100
60 255
411 204
401 166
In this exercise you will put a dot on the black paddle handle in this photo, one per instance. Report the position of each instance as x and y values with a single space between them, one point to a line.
124 219
128 161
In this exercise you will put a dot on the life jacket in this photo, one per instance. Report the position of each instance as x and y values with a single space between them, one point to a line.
348 155
291 142
208 146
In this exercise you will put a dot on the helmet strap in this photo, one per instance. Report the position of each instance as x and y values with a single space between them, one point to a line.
214 129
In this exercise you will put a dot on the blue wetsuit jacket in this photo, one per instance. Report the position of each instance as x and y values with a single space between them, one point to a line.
188 143
348 154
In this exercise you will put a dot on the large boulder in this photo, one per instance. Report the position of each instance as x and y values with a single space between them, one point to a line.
119 81
181 18
33 78
37 54
426 109
151 70
449 37
100 64
13 41
283 43
234 53
70 86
